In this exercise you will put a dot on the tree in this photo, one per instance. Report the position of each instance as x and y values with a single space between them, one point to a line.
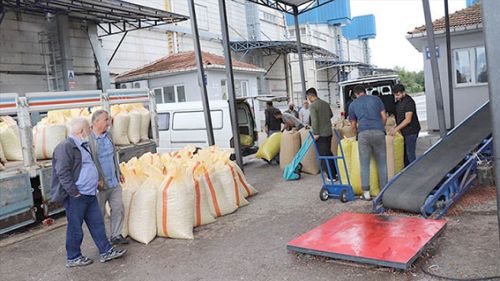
412 80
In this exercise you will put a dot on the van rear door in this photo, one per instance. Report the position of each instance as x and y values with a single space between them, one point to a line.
188 127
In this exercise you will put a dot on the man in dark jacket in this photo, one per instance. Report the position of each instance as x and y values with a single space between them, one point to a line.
74 182
407 122
273 125
321 126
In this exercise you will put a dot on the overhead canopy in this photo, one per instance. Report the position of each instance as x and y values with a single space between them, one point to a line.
288 6
279 47
112 16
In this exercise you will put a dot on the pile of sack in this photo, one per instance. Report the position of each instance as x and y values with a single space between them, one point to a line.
10 143
168 195
395 162
51 130
130 123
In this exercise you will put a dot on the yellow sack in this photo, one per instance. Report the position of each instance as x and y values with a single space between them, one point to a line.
347 148
246 140
355 173
270 148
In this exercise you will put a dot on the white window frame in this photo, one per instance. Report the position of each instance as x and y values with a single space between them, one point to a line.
176 92
243 84
472 65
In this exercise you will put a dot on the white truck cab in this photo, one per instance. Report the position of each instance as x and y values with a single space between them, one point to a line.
182 124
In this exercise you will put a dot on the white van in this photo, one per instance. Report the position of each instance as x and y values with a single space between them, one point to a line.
377 83
182 124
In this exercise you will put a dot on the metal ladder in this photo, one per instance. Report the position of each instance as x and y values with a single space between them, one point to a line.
52 58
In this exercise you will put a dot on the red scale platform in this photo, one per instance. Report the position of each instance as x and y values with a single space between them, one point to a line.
375 239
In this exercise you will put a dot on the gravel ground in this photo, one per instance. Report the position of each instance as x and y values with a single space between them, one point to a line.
251 244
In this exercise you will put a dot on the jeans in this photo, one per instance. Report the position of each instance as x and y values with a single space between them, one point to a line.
79 209
324 149
410 148
372 142
114 197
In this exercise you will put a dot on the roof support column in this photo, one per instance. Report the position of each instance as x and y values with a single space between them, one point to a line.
434 68
299 50
491 21
100 57
230 82
448 58
201 73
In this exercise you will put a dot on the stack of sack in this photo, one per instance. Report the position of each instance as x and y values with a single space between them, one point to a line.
51 130
168 195
395 163
10 143
130 123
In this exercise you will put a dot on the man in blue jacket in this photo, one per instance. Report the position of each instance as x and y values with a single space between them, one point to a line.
74 182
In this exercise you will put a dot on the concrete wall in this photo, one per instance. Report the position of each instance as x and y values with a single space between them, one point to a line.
22 68
466 98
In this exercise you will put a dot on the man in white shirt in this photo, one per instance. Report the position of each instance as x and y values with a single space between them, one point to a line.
304 113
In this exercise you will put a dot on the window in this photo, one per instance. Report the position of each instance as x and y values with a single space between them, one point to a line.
195 120
470 66
240 88
269 17
202 17
163 121
170 94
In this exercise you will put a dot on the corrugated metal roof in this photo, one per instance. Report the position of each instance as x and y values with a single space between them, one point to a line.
335 12
181 62
465 17
361 27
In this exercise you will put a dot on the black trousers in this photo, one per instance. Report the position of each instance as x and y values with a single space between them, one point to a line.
324 147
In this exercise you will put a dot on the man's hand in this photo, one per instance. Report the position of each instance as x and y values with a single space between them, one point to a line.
316 137
122 179
393 131
78 195
100 184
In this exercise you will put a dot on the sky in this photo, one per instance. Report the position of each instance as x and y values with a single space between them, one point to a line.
394 18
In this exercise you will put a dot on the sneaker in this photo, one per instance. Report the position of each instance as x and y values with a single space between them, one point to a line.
80 261
119 240
366 196
113 254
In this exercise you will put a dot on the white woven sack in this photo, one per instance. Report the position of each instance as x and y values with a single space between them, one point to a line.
246 188
119 129
141 214
2 154
174 207
202 214
225 175
145 122
11 143
219 203
46 138
134 127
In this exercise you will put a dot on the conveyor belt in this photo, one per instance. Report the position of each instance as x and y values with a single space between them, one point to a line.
409 190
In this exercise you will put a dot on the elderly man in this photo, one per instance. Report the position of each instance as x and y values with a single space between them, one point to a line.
104 154
304 113
291 110
289 121
74 182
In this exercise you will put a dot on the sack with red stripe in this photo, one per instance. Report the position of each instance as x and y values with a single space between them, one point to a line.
246 188
202 214
141 214
218 201
174 208
225 176
46 138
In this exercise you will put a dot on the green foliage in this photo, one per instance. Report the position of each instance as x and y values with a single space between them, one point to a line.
413 81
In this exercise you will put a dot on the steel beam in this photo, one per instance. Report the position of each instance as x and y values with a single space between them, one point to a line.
491 21
99 56
201 73
434 68
448 58
299 51
230 82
